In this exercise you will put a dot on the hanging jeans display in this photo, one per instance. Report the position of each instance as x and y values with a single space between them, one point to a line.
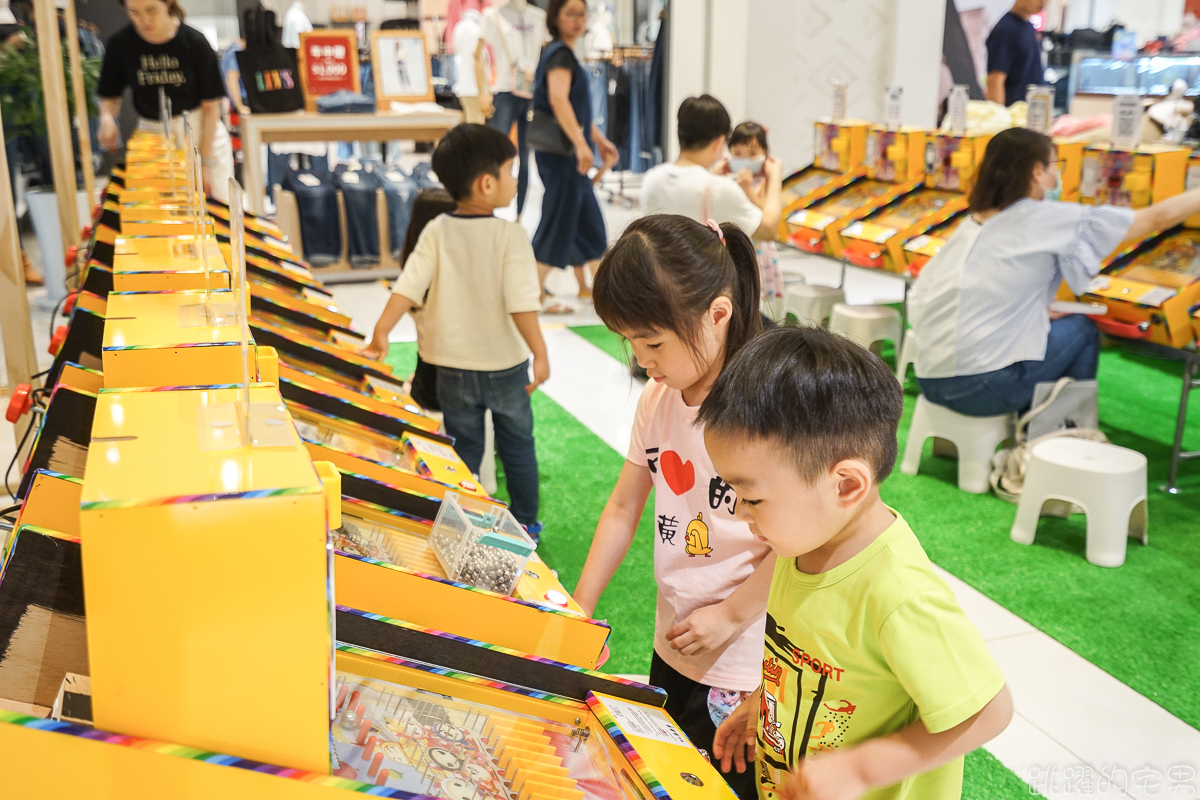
359 187
623 99
401 191
316 198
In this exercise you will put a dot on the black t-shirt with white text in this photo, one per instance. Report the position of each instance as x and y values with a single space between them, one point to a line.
186 67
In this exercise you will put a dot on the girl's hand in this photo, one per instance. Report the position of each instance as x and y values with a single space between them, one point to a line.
704 630
584 157
375 351
108 135
734 742
831 777
745 180
773 168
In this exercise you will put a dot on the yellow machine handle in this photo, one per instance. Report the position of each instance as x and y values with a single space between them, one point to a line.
331 479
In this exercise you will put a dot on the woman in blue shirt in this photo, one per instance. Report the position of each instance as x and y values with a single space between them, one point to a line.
981 307
571 231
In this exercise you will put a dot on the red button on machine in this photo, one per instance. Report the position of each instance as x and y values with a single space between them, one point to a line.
20 402
56 341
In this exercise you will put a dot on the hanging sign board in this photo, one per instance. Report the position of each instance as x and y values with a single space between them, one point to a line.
1127 121
328 63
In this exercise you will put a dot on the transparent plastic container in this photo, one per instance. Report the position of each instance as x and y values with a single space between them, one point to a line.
479 543
359 538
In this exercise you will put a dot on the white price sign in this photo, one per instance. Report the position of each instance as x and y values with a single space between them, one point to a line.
958 109
1127 121
839 102
1039 101
893 102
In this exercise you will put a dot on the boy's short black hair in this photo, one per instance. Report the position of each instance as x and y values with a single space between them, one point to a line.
748 132
818 396
700 120
468 151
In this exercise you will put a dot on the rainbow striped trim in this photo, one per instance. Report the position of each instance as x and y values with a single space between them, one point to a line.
216 759
12 542
180 345
81 367
489 646
631 754
252 494
466 677
380 464
189 388
392 411
178 291
168 272
61 476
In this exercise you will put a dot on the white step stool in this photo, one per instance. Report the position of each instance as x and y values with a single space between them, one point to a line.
907 356
812 305
1107 481
975 438
866 325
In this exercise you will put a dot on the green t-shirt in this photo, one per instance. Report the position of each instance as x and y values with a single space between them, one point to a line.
862 651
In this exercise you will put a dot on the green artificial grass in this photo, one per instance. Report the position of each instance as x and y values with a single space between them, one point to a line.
578 471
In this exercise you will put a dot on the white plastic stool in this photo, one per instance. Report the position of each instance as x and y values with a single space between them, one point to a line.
1107 481
908 355
487 467
975 438
866 324
812 305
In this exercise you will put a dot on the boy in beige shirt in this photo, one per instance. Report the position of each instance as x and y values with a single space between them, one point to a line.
476 279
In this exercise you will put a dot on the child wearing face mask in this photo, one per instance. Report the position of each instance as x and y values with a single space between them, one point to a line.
748 156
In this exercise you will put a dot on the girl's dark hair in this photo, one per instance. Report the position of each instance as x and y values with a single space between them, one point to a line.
173 8
665 271
1007 168
552 11
429 204
749 132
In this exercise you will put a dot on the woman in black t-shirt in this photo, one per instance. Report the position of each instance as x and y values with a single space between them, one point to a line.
158 50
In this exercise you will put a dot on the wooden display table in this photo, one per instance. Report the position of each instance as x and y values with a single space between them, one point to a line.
260 129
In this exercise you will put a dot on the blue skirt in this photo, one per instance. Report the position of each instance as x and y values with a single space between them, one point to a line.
571 232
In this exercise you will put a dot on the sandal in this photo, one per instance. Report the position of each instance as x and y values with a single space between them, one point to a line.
553 305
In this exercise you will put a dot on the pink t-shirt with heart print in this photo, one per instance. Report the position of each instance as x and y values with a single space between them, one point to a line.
702 553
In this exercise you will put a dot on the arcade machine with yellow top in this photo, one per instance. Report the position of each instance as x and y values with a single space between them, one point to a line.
806 220
838 152
1149 287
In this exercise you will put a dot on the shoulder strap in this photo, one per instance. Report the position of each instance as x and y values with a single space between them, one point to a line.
1023 422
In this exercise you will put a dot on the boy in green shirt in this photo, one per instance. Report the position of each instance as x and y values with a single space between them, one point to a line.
875 684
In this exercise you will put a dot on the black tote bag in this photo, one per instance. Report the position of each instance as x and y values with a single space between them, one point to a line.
268 69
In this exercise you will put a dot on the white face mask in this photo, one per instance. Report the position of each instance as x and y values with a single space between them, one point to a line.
755 165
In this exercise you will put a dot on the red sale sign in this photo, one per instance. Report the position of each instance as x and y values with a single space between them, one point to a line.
328 63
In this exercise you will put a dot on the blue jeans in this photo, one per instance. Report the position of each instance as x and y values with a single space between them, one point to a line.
318 214
362 220
465 396
509 109
401 191
1072 351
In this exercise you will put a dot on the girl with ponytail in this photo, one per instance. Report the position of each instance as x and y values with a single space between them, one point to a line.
686 296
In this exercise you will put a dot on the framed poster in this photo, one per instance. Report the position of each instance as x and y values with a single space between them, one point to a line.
328 62
401 67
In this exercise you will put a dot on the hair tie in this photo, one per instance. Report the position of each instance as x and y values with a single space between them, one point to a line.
712 223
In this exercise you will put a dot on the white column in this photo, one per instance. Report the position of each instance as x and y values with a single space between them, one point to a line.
917 57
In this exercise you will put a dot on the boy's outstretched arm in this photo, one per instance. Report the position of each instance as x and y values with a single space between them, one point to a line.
851 773
614 534
397 306
531 332
708 628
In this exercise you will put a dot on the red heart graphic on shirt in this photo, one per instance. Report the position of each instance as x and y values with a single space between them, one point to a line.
679 474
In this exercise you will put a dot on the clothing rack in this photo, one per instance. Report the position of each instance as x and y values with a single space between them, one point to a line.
616 182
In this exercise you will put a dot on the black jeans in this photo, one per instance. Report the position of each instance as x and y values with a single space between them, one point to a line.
509 109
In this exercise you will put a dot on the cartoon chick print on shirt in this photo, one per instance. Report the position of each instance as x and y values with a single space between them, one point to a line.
696 537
